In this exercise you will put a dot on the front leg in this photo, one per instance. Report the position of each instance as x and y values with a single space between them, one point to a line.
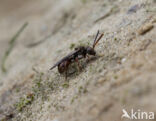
88 57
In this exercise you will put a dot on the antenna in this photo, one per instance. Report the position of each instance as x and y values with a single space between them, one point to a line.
97 40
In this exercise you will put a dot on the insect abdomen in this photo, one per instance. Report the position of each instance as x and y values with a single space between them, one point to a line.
62 67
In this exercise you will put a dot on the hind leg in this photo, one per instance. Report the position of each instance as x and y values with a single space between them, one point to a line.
63 68
66 70
79 66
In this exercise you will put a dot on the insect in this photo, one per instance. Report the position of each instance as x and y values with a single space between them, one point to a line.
79 53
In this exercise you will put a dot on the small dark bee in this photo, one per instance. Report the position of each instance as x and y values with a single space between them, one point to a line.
79 53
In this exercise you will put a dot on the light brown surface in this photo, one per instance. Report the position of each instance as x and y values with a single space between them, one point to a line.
123 77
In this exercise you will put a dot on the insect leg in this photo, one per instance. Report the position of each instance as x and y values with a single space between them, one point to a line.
88 57
66 69
79 67
66 75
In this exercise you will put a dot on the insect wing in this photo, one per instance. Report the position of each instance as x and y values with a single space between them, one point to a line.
56 65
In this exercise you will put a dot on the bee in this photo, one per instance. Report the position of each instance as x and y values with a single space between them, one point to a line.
78 53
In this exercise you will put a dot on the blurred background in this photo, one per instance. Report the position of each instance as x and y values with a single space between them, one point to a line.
35 34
